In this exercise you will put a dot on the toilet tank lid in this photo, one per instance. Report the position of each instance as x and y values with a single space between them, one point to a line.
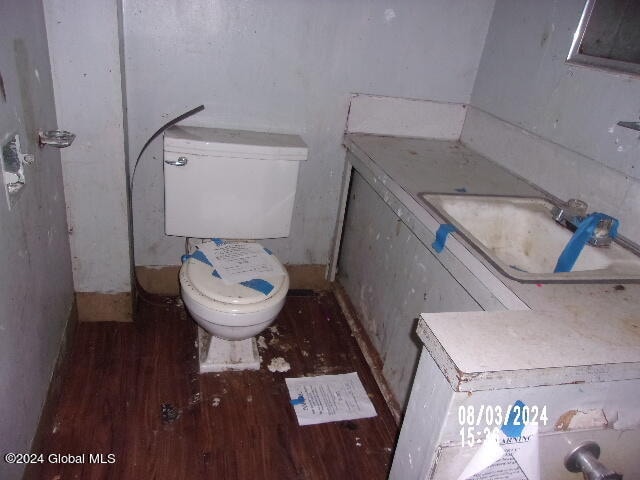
234 143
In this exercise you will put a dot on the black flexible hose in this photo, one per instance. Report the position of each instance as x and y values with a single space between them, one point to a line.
170 123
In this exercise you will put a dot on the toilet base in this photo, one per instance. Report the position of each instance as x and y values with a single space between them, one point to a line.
219 355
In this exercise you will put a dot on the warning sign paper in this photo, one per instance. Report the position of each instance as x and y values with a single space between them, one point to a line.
329 398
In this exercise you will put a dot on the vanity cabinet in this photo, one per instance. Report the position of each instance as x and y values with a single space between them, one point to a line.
391 277
464 387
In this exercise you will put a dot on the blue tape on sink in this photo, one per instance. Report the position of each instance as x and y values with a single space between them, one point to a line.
581 236
441 236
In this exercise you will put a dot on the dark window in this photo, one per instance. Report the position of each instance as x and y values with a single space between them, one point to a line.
608 35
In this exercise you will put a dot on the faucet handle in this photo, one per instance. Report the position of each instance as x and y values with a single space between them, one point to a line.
584 458
577 207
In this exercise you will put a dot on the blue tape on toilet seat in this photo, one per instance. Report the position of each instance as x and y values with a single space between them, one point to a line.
259 284
197 255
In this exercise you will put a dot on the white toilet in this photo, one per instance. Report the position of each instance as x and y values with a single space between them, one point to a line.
234 185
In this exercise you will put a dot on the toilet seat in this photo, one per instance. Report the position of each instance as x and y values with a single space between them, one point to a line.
211 293
199 275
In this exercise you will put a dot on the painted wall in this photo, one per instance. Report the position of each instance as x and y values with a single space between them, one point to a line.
285 66
563 134
85 60
36 290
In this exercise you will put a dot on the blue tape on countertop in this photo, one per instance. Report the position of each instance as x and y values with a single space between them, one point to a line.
515 422
217 241
581 236
441 236
297 401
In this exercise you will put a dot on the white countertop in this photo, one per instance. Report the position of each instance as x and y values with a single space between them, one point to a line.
573 333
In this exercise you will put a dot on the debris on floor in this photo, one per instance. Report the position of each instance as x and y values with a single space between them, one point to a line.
329 398
169 413
215 402
195 399
279 364
262 343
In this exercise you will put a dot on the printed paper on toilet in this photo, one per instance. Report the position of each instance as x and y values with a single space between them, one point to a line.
240 261
329 398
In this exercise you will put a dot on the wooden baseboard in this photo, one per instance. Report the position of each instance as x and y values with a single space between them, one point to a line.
55 386
308 277
370 353
104 307
159 280
164 280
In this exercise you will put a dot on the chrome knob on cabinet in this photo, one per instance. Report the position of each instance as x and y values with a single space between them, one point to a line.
584 458
180 162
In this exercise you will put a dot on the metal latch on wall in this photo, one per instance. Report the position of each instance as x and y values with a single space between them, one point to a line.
13 159
13 162
56 138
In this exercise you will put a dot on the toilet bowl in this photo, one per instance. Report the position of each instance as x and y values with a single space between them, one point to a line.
231 312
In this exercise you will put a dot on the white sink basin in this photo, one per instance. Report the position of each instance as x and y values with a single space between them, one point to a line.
519 237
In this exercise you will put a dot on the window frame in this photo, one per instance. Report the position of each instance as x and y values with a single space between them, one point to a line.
577 58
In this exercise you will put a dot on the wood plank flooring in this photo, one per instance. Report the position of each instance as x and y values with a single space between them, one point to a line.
232 425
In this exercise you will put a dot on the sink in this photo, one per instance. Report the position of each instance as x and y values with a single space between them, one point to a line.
519 237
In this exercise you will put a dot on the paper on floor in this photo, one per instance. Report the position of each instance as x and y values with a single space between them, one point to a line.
239 261
329 398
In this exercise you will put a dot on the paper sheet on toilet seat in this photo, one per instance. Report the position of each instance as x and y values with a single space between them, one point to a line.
238 262
329 398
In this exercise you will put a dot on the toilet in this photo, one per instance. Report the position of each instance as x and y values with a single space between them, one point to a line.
222 185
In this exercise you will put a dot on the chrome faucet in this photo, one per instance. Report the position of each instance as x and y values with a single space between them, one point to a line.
572 213
584 458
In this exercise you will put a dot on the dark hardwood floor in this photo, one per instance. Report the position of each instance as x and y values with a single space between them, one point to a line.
233 425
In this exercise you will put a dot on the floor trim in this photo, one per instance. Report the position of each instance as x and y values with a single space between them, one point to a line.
104 307
54 391
368 350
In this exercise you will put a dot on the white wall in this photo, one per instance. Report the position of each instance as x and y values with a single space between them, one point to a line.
85 58
562 132
285 66
36 290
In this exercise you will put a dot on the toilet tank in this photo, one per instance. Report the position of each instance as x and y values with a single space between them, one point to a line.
231 184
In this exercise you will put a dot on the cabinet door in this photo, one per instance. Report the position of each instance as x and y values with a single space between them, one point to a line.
391 277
